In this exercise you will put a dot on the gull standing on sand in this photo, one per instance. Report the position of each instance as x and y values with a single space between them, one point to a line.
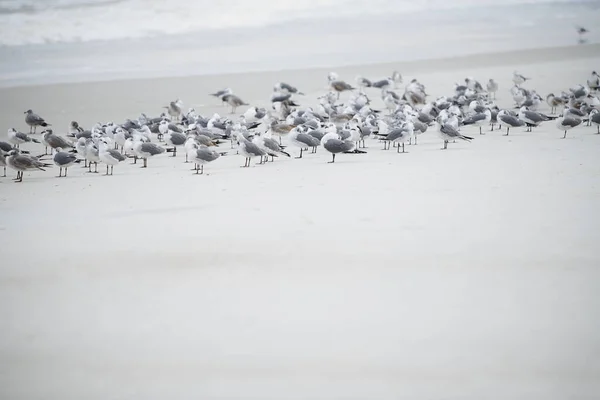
92 154
531 118
145 150
174 109
492 87
221 93
249 150
18 138
21 163
479 119
62 159
234 101
399 135
334 145
108 156
554 102
270 146
509 120
519 79
34 120
286 88
567 122
174 139
202 155
448 132
302 140
54 141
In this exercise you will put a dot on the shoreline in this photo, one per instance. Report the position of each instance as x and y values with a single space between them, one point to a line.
427 65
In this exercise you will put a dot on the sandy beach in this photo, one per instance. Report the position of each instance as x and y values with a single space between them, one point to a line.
463 274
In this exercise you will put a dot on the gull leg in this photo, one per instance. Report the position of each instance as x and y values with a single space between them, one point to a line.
65 172
174 151
145 163
445 145
333 159
4 176
201 169
95 167
300 153
106 170
507 128
59 172
565 136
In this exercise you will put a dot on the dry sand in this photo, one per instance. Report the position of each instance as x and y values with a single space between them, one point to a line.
463 274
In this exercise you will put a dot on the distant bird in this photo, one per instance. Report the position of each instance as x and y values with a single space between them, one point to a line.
34 120
175 139
74 129
554 102
519 79
270 146
595 118
21 163
54 141
64 160
234 101
594 81
340 86
400 135
18 138
286 88
448 132
334 145
581 31
492 88
3 163
509 120
174 109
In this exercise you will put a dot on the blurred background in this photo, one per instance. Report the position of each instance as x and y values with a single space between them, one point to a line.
51 41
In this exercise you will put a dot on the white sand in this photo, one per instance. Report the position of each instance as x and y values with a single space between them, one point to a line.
471 273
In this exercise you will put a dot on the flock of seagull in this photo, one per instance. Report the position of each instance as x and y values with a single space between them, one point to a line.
337 127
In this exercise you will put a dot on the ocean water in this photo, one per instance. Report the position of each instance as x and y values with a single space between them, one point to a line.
44 41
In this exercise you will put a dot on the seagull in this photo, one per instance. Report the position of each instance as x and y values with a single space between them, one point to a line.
20 163
333 144
62 159
448 132
302 140
54 141
34 120
270 146
492 87
554 102
222 92
175 139
340 86
531 118
399 135
594 81
595 118
18 138
92 154
145 150
519 79
286 88
234 101
249 150
74 129
108 156
202 155
567 122
479 119
509 120
174 109
3 163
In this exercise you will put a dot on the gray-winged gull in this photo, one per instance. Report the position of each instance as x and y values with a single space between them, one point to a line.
202 155
567 122
108 156
20 163
64 160
249 150
145 150
301 139
34 120
448 132
334 145
492 88
479 119
234 101
509 120
18 138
